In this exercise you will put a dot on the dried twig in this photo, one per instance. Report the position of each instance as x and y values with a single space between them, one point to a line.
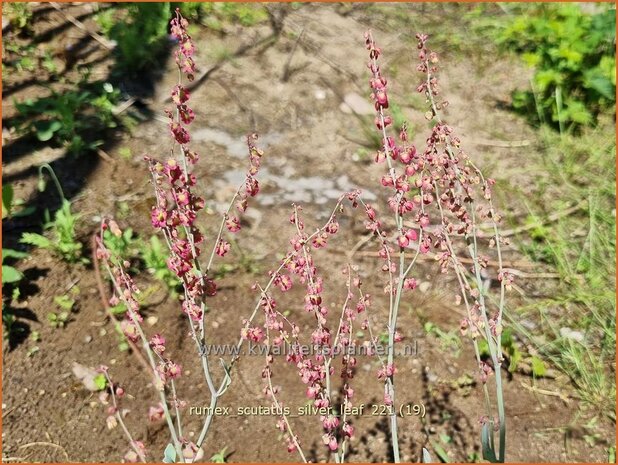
561 395
550 219
46 444
77 23
287 71
500 143
105 156
430 257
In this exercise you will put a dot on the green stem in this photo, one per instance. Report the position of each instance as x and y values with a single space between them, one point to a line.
54 178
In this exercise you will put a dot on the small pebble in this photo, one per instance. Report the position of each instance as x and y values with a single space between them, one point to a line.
424 286
88 339
357 104
568 333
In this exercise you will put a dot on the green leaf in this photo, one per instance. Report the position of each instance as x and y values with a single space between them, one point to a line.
484 348
12 253
100 381
538 367
440 452
10 275
169 455
7 200
219 457
64 302
36 240
515 357
119 309
45 129
602 84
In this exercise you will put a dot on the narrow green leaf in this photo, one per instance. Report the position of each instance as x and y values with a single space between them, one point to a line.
488 450
440 452
36 240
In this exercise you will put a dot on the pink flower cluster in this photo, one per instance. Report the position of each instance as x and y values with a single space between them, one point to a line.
316 367
175 214
186 49
408 198
441 178
176 208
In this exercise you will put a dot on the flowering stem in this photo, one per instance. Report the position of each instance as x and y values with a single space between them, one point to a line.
239 345
148 350
118 416
494 344
280 407
220 233
175 398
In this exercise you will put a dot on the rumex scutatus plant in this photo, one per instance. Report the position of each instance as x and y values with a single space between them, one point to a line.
174 215
439 205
